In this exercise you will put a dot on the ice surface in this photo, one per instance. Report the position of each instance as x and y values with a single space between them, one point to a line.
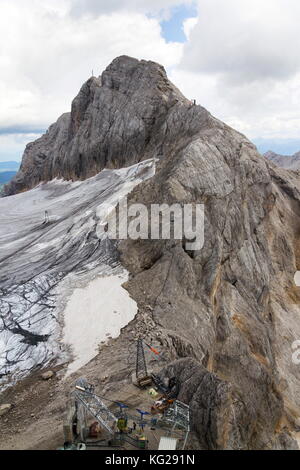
37 260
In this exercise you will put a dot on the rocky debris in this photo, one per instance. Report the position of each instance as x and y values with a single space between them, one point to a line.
47 375
289 162
30 396
4 409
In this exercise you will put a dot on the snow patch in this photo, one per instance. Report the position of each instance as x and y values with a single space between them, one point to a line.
94 314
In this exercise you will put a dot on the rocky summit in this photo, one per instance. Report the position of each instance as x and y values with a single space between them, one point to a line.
131 113
225 316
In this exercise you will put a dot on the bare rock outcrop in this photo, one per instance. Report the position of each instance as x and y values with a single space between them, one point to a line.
233 305
219 415
131 113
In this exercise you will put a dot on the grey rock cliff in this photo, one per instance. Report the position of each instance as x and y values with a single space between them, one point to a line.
132 112
233 305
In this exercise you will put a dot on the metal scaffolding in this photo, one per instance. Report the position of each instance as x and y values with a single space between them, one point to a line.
177 416
84 394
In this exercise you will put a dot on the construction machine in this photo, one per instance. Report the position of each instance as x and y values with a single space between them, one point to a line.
170 393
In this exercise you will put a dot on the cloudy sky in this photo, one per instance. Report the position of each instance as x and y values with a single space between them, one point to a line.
239 59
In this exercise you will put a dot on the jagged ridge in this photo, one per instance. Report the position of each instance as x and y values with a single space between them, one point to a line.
131 113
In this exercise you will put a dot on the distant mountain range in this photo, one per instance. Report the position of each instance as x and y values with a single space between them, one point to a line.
8 171
9 166
289 162
6 176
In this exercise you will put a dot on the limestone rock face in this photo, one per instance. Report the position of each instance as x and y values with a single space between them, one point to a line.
218 413
131 113
284 161
233 305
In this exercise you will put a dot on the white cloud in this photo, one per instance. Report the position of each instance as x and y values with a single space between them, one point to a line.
241 60
188 25
46 54
268 109
12 146
159 8
245 40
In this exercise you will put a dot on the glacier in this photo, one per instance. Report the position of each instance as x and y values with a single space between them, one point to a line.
44 259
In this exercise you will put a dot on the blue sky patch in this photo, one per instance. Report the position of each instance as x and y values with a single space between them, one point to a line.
281 146
172 29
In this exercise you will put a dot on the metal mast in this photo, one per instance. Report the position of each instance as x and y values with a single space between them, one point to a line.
141 367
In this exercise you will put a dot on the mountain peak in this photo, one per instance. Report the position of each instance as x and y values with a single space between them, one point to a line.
129 75
130 113
124 68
